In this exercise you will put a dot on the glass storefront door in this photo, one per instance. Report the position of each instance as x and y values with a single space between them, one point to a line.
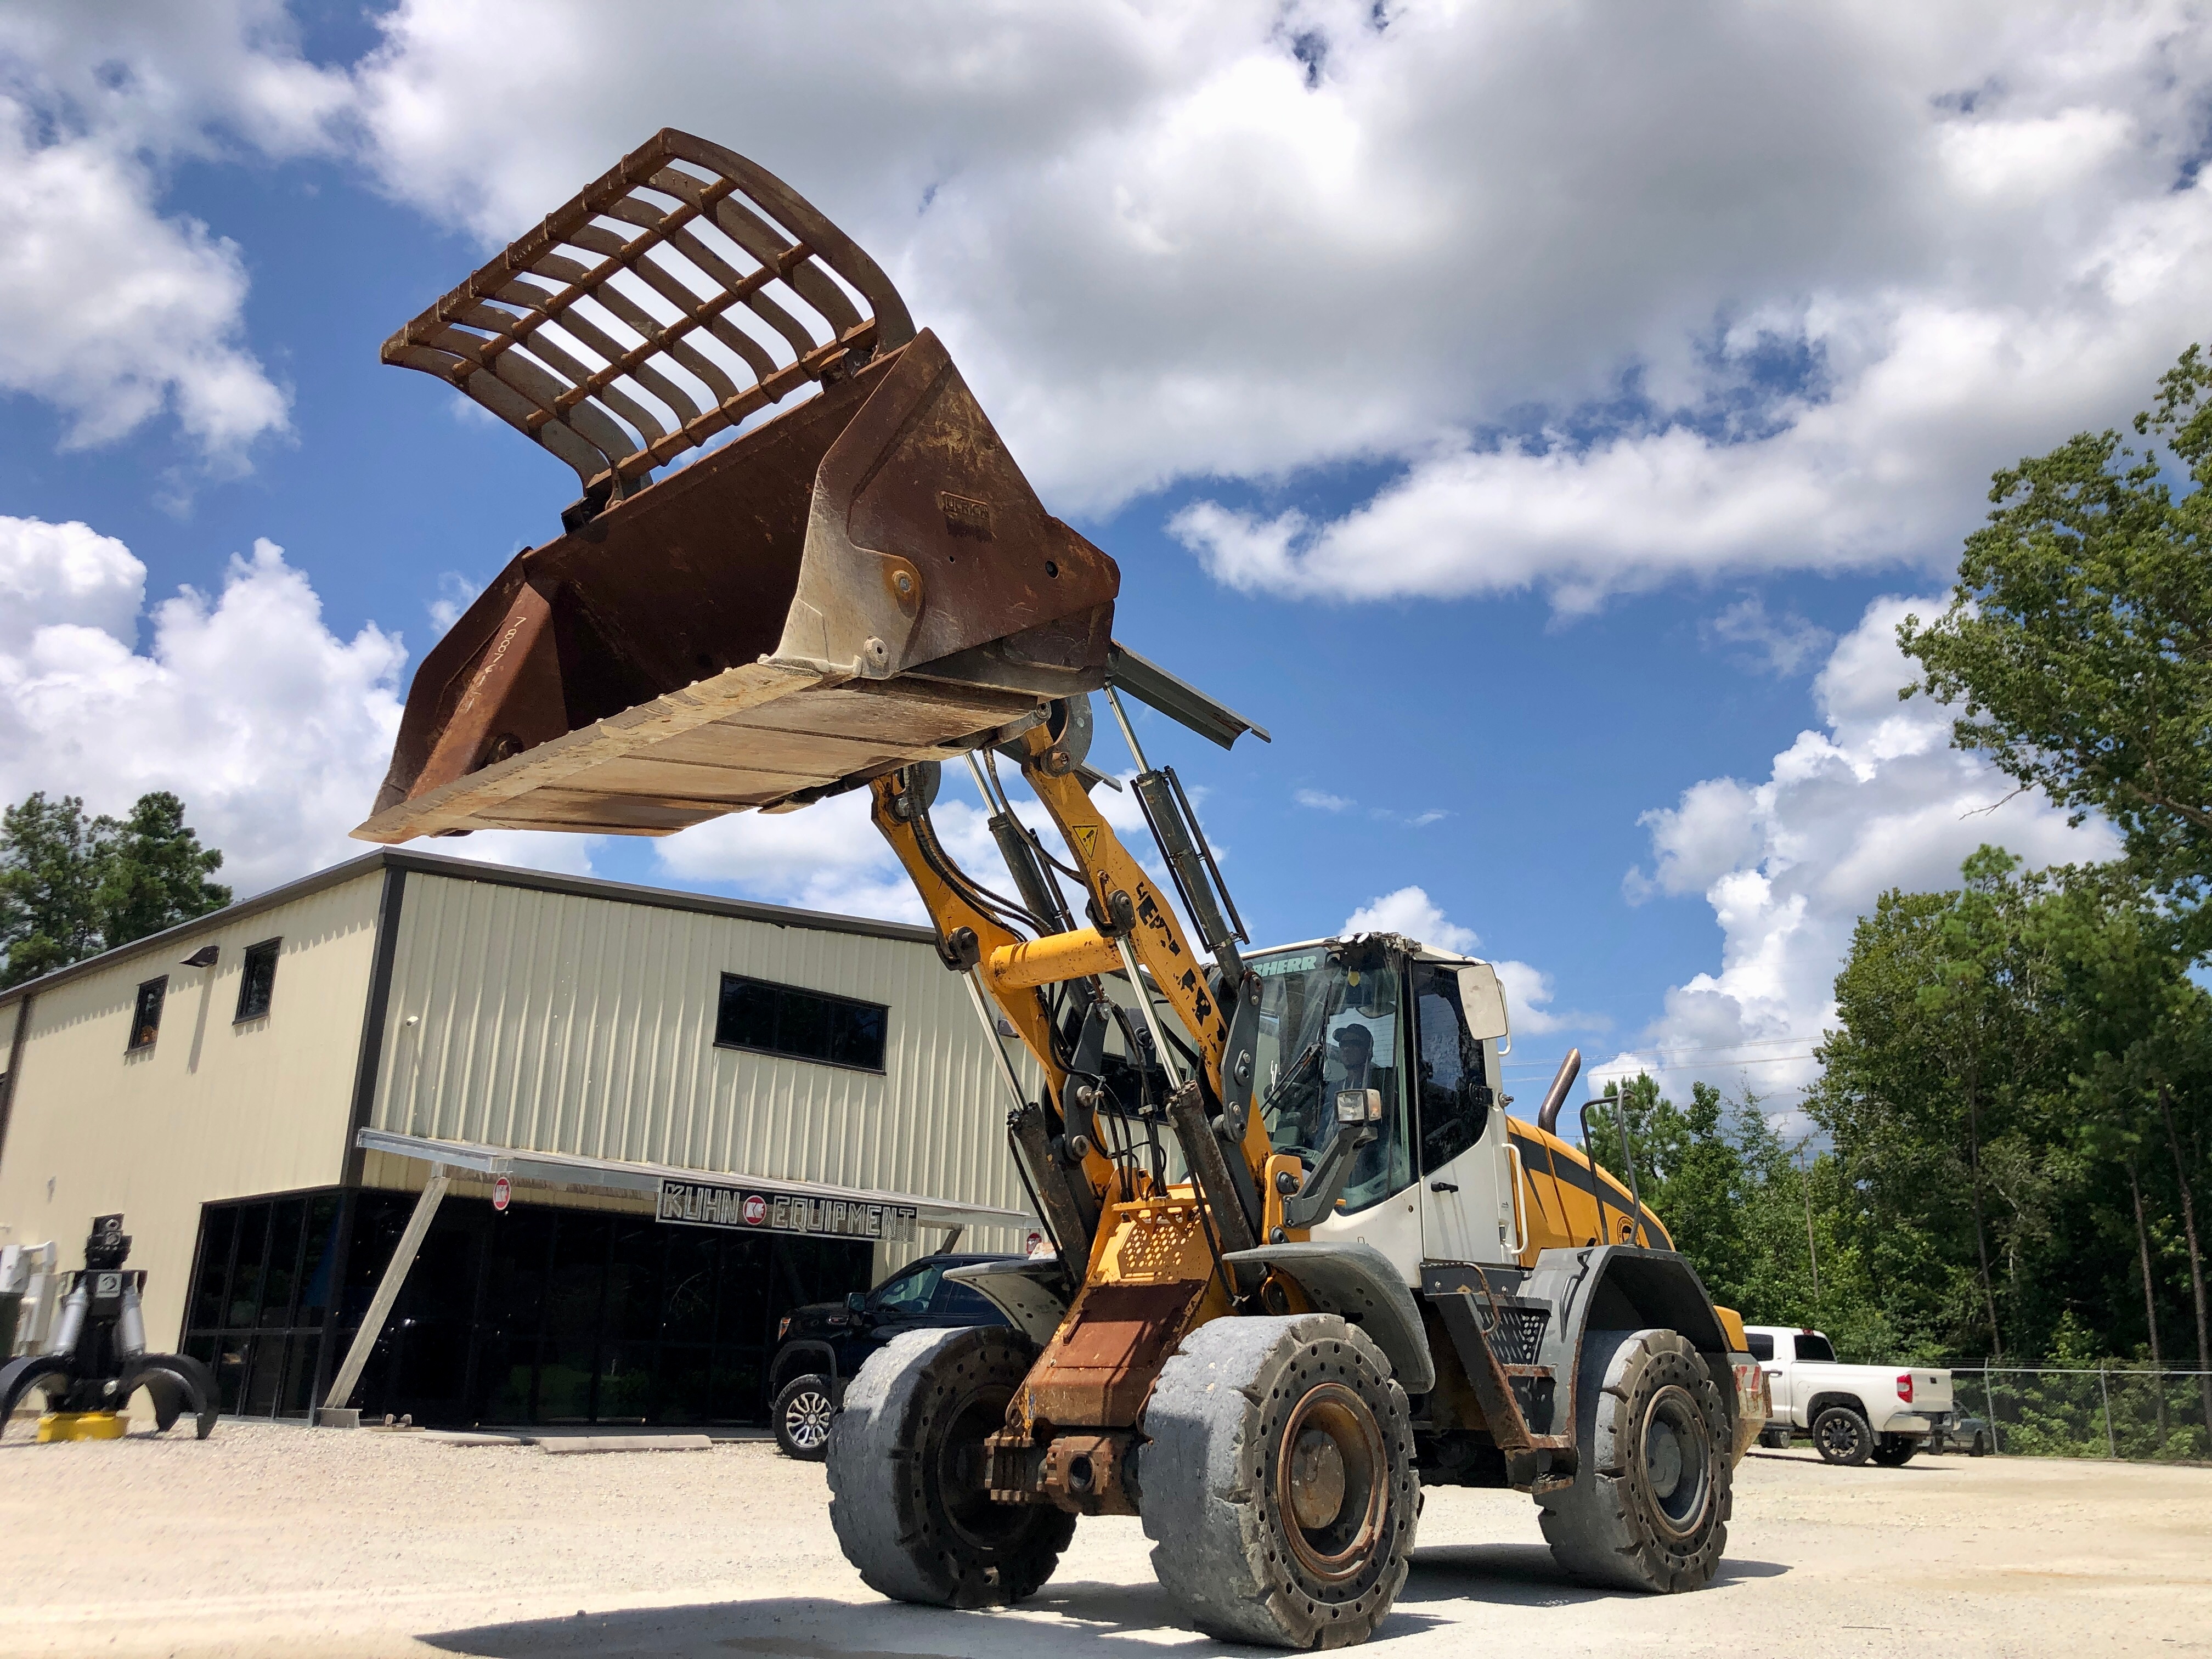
534 1315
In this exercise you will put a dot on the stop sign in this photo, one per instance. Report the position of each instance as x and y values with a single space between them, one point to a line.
500 1192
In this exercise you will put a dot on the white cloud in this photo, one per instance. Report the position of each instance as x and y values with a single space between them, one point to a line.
1526 990
824 857
1411 911
1322 801
274 731
456 592
1779 645
1876 798
829 856
1629 299
112 311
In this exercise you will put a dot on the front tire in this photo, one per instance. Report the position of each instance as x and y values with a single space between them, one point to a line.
1774 1439
1279 1485
1654 1488
802 1413
907 1472
1895 1451
1843 1437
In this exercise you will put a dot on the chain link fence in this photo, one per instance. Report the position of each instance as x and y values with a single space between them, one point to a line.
2105 1411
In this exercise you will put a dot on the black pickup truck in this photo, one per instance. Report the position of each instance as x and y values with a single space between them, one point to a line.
820 1347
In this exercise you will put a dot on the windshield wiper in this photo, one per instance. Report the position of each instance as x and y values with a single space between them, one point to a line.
1311 1053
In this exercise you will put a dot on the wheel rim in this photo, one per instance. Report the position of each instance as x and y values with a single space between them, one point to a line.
806 1419
1839 1436
963 1474
1677 1461
1329 1482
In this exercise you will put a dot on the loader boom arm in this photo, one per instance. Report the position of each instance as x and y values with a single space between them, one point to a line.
1133 924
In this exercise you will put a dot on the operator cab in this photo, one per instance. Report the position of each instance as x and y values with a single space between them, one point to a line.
1420 1027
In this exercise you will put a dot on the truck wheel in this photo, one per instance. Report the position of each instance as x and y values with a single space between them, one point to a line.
1843 1437
801 1414
1980 1447
1653 1488
1278 1487
1774 1439
1895 1451
907 1471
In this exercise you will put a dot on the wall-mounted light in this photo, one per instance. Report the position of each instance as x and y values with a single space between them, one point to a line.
203 957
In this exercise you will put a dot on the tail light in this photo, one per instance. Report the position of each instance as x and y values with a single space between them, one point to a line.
1905 1387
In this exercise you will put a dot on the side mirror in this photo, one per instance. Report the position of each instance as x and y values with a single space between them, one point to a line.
1357 1107
856 1302
1482 999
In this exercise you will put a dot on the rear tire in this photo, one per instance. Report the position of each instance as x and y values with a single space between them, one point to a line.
1278 1487
906 1469
1843 1437
1980 1447
1651 1497
1895 1451
802 1413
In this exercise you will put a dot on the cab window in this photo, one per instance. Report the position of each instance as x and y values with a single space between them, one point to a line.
910 1292
1812 1346
1758 1344
1454 1088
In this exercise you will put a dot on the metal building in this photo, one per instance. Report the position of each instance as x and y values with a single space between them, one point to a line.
658 1120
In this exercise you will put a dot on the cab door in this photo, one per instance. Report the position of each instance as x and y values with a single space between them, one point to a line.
1466 1199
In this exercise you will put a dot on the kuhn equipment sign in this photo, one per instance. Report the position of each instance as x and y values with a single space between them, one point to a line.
698 1204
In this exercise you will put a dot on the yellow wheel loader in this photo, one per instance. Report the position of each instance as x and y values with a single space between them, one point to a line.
1304 1262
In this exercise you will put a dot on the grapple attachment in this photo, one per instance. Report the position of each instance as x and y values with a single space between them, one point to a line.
861 579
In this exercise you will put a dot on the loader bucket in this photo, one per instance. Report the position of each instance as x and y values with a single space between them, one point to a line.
860 578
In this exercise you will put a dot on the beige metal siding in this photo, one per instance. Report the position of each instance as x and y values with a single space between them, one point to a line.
212 1110
563 1023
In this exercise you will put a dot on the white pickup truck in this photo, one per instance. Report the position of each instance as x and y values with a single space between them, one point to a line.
1852 1411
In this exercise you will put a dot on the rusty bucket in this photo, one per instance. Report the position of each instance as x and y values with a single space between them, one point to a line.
848 572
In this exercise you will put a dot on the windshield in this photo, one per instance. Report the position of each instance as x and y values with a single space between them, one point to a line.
1326 1027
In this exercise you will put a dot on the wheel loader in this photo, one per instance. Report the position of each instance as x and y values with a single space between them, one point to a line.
1303 1261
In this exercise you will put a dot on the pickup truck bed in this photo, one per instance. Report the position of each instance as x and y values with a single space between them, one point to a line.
1852 1413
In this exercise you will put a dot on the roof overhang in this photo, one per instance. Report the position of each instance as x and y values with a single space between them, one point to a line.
572 1172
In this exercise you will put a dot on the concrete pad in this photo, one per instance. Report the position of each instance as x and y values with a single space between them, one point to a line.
467 1437
262 1542
626 1443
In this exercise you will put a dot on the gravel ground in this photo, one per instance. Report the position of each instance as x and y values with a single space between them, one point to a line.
271 1539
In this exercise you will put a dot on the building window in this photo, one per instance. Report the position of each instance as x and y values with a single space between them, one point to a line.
146 1018
782 1019
257 981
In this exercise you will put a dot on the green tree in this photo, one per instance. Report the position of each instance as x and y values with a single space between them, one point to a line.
71 886
49 887
2140 1031
2079 638
154 873
1925 1090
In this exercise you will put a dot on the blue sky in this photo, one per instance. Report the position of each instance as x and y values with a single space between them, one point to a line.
1529 421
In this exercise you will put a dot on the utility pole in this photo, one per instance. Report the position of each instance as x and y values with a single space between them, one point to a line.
1805 1186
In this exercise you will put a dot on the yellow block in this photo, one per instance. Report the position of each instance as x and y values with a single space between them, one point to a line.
83 1426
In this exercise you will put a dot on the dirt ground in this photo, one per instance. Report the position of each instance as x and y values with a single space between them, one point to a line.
270 1539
